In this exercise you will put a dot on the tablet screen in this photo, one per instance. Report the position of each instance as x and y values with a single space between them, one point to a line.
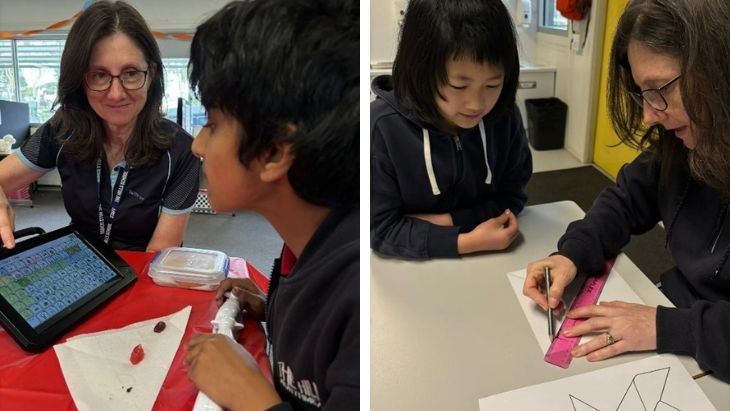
51 282
41 282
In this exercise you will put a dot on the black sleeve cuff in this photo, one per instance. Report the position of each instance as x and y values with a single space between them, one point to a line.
463 218
442 241
282 406
585 261
672 333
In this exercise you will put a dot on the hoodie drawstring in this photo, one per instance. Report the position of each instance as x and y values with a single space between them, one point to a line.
429 162
719 221
722 262
486 159
670 226
721 224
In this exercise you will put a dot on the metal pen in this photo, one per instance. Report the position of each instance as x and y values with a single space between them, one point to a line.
551 329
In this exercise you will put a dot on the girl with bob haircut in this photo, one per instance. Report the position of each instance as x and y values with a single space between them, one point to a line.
668 96
449 157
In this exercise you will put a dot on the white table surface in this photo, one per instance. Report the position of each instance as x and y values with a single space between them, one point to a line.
445 333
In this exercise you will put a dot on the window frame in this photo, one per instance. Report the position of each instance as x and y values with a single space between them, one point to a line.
197 111
546 13
13 64
16 66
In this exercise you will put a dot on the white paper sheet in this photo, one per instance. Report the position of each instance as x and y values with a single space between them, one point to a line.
616 288
657 383
99 374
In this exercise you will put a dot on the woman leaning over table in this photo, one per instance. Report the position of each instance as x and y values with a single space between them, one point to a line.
127 174
669 93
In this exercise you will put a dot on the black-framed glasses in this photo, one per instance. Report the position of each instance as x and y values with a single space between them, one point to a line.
653 96
99 80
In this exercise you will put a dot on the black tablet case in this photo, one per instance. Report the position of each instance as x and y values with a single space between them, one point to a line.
36 339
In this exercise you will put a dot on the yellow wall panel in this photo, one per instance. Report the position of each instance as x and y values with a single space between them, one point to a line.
606 153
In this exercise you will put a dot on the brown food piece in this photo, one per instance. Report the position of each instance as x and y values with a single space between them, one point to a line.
187 284
160 327
137 355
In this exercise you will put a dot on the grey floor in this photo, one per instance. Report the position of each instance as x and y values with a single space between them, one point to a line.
247 235
583 185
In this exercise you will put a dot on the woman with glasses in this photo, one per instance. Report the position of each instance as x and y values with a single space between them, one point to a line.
128 175
669 92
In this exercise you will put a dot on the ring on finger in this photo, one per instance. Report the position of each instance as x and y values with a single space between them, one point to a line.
609 339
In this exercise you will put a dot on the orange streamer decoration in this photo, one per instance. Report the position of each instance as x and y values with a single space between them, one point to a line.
29 33
174 36
62 23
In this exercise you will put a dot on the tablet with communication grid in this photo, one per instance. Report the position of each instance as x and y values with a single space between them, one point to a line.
51 282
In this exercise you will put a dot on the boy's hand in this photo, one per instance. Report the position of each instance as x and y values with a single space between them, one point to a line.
494 234
252 299
228 374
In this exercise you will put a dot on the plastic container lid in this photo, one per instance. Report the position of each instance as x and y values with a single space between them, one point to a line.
189 268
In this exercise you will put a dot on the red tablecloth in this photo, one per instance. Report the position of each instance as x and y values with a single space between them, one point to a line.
35 381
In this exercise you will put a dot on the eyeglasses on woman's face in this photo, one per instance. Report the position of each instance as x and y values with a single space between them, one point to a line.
653 96
99 80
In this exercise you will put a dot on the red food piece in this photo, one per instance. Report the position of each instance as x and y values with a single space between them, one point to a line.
160 326
137 355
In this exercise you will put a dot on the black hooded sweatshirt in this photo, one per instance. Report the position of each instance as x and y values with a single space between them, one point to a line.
415 168
696 220
313 319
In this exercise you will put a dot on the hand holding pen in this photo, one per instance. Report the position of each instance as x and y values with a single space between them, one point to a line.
551 328
562 273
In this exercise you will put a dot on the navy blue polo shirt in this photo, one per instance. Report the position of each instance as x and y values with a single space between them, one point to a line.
169 186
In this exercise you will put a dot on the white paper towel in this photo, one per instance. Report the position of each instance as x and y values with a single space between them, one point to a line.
99 374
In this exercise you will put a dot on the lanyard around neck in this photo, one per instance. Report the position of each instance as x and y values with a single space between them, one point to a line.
105 233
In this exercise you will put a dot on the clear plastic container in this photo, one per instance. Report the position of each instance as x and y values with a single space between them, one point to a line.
192 268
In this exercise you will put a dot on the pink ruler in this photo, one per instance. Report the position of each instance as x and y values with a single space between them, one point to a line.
559 351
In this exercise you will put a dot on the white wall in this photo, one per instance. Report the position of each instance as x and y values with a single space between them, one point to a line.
162 15
526 33
577 80
383 30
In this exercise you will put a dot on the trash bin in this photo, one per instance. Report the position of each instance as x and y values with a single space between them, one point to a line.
546 122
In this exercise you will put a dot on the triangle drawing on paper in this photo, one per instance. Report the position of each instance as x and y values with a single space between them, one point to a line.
644 393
